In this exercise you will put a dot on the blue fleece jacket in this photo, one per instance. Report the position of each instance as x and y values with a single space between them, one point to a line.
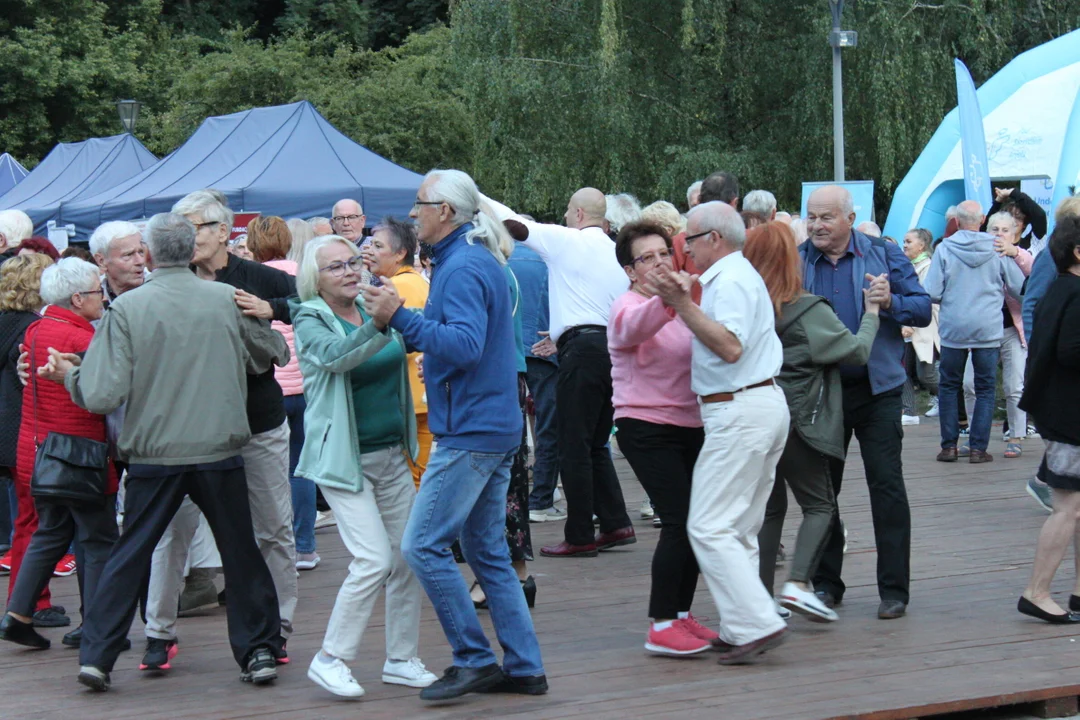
466 333
910 305
1043 274
969 279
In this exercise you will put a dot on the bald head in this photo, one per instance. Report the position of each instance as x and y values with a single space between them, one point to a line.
586 208
969 215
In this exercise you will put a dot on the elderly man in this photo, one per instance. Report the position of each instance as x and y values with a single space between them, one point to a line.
761 202
838 263
120 252
736 354
584 279
15 226
969 279
869 228
466 333
722 186
348 221
180 344
693 195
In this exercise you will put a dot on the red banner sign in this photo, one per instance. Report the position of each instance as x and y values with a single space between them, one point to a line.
240 223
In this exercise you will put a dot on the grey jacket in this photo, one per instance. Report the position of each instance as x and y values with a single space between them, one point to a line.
177 351
969 279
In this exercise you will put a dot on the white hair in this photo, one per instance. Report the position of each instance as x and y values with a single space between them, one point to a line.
722 218
103 237
798 229
459 191
307 275
302 233
170 238
333 210
870 228
762 202
694 188
950 213
67 277
1003 215
207 204
15 226
622 209
969 215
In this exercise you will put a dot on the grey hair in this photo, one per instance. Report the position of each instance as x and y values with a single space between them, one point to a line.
302 233
1002 214
722 218
206 203
307 275
333 210
694 187
170 238
102 239
16 226
622 209
762 202
459 191
67 277
950 213
968 215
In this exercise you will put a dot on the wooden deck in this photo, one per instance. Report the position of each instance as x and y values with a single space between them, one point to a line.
962 646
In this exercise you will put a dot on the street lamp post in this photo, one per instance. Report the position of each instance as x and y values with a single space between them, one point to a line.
839 39
129 114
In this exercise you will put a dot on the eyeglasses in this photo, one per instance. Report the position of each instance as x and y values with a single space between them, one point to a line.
337 269
200 226
652 258
692 238
418 203
346 218
100 292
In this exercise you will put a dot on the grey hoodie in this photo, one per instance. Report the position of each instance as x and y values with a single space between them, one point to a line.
969 280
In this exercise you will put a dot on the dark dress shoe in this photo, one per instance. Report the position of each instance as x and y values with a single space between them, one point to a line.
979 456
1074 603
73 639
827 598
948 454
1032 610
565 549
745 654
530 685
458 681
891 609
51 617
528 586
622 536
22 633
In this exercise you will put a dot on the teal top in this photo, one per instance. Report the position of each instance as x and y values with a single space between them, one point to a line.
515 303
374 384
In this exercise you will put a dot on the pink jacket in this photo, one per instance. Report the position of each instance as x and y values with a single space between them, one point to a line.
650 351
288 377
1024 261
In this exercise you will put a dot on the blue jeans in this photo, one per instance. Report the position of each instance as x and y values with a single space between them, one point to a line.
463 495
984 361
541 379
303 490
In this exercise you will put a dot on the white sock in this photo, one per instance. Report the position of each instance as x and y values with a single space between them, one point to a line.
684 615
658 626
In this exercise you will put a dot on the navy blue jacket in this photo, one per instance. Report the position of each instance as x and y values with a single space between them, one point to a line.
1043 274
910 303
532 275
466 333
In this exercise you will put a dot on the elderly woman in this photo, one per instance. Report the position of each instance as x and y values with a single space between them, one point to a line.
72 287
301 234
660 430
390 254
361 429
1051 395
270 242
921 344
815 342
665 215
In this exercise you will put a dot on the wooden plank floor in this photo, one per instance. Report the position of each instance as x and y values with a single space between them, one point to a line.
963 645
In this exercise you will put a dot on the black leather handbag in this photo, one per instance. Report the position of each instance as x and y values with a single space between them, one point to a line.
67 468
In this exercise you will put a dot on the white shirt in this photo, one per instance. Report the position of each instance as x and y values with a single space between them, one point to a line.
735 296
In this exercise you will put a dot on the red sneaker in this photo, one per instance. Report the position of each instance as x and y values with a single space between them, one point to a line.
5 563
675 640
698 630
65 567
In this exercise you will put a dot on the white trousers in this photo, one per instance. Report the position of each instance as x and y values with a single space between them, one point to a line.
266 466
733 479
1013 362
371 523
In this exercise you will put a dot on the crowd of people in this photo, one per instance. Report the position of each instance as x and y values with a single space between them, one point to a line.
177 403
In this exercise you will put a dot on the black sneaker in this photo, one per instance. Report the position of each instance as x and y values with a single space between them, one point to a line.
94 678
22 633
158 654
51 617
458 681
529 685
261 667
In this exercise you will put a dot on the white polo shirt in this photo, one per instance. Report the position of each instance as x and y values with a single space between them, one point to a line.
735 296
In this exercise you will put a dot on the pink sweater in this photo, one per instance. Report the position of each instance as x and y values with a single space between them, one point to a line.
650 363
1024 261
288 377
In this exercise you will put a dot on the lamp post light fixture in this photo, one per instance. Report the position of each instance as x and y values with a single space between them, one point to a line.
839 39
129 114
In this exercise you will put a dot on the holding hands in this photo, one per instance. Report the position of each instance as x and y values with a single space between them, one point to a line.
672 286
381 302
879 295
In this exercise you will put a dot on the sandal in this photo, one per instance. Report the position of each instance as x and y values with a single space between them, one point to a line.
1013 450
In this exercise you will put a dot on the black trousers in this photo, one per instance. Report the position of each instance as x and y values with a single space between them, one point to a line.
154 494
875 421
663 457
585 417
58 524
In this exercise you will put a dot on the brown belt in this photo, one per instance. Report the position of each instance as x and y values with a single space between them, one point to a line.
728 397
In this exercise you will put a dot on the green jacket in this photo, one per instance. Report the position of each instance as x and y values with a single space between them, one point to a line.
331 453
815 341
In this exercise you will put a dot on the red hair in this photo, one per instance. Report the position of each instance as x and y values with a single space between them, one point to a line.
771 249
40 245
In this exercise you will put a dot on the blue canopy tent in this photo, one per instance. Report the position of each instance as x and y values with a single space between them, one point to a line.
11 173
285 160
75 170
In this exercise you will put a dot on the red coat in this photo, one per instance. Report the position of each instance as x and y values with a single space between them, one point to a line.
65 331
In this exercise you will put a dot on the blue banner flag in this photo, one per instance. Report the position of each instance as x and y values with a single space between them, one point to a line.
972 140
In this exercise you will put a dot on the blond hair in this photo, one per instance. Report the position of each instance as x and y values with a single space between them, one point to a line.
665 215
20 282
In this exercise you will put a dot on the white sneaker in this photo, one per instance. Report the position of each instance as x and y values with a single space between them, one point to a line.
552 513
909 419
557 496
933 411
647 510
805 603
307 561
335 677
410 673
324 519
782 611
